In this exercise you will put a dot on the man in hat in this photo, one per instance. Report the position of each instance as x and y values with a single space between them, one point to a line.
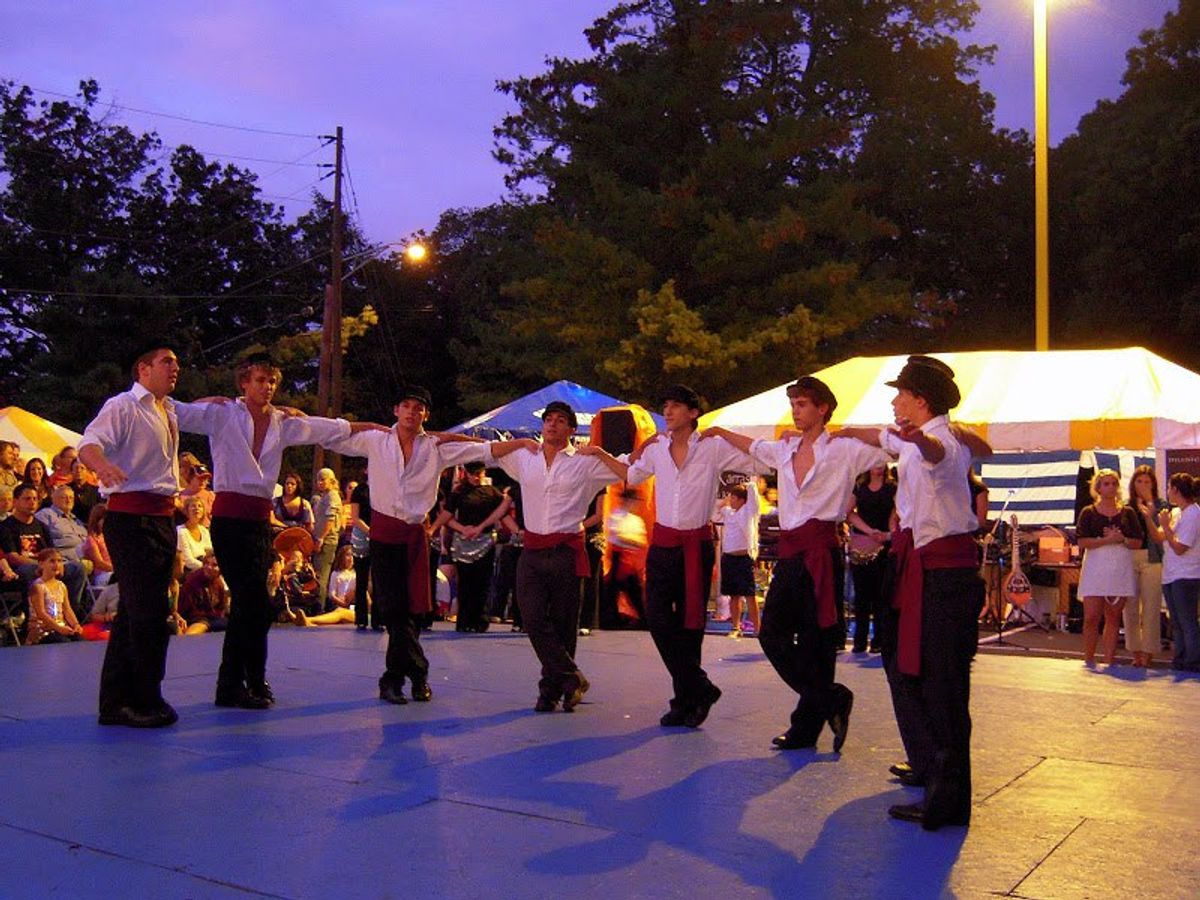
803 622
937 594
247 437
679 563
133 445
404 463
558 481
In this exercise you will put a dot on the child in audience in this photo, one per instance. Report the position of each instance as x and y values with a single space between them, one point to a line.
51 619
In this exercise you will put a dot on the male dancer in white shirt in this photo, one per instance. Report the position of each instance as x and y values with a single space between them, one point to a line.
679 564
803 622
247 438
133 447
937 591
403 464
558 482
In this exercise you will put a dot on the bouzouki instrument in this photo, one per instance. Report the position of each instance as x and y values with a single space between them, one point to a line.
1017 589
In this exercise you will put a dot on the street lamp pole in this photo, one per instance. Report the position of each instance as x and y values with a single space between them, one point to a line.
1041 179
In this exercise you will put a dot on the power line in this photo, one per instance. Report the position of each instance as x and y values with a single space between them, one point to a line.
127 295
175 116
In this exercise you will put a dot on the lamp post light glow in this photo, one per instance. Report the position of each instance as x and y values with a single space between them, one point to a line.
416 252
1041 180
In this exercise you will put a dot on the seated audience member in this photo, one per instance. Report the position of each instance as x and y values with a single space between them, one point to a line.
194 478
336 616
60 467
95 549
300 589
105 608
10 453
35 474
23 537
6 502
342 580
290 508
67 533
51 619
204 599
87 495
194 538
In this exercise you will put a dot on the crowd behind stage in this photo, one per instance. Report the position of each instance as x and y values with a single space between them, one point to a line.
1139 548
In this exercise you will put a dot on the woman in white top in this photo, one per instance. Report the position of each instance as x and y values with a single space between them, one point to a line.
1181 569
194 537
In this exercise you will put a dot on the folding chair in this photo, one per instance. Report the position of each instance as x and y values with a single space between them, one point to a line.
10 605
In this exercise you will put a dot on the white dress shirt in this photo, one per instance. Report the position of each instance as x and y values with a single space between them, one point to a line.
230 431
555 497
825 493
407 490
684 496
933 499
134 437
740 533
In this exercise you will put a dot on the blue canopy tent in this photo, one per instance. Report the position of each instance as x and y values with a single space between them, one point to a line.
523 417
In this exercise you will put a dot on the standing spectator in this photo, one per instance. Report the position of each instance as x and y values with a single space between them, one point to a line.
193 537
1143 612
472 510
23 537
290 508
35 474
83 482
96 549
61 464
51 619
6 502
1181 569
593 542
1108 533
365 611
739 550
327 513
10 452
67 533
872 518
203 598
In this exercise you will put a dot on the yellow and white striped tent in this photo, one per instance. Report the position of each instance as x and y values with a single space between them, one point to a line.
35 436
1019 400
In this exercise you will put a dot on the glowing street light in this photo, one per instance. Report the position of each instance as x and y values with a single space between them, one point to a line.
1041 179
416 252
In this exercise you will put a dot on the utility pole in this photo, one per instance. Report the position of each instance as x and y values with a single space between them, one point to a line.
329 379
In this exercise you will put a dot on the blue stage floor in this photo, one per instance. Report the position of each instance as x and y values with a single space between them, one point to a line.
1085 782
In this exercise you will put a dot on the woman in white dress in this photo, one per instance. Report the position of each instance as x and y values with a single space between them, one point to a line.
1108 534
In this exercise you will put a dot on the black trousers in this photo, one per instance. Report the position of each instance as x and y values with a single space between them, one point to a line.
803 653
548 595
474 579
243 549
589 605
365 611
679 647
405 658
868 600
933 709
143 554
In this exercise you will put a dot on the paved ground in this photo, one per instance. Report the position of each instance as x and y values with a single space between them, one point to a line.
1085 782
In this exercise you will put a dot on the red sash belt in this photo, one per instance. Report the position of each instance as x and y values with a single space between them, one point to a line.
956 551
232 505
696 585
573 539
142 503
814 540
387 529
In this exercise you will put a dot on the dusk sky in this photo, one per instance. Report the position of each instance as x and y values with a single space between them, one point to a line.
413 82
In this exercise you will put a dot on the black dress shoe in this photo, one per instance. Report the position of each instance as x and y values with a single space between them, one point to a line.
901 769
908 812
572 692
167 711
695 716
673 717
392 694
422 692
241 698
789 741
911 779
263 691
839 722
132 718
545 704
